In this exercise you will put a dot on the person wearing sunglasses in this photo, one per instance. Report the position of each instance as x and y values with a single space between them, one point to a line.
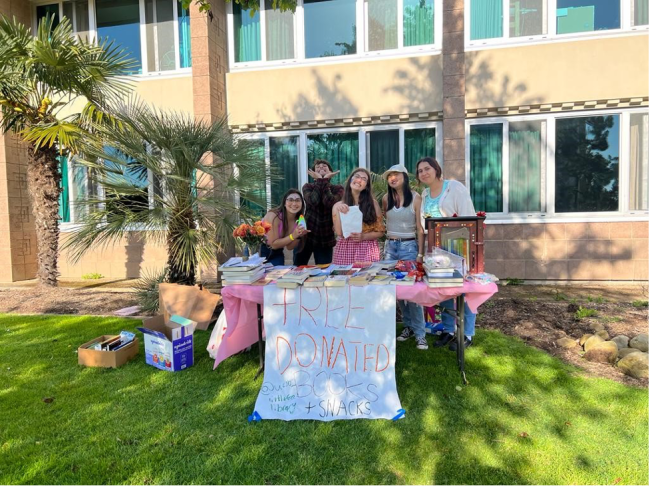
285 231
358 247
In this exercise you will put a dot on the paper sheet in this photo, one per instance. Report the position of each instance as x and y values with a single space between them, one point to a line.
352 221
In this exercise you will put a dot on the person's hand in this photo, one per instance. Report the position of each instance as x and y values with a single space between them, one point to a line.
329 175
341 207
356 236
299 232
315 175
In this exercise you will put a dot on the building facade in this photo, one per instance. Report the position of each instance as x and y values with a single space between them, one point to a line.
539 106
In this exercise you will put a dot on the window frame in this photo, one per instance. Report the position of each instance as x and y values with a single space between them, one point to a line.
551 36
362 43
92 36
362 130
550 215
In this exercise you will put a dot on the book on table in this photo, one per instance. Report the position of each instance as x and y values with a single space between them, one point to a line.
361 278
381 280
318 281
236 264
403 280
242 278
456 280
283 284
439 271
336 281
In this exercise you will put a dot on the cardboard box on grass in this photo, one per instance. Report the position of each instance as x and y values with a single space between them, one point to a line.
168 345
188 301
107 359
169 337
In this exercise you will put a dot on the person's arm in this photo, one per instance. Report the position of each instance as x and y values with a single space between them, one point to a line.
277 241
338 231
384 204
417 205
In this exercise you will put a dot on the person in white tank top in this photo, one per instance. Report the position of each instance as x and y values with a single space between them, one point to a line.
404 241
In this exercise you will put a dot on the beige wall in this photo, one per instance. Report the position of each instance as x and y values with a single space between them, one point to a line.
571 251
599 69
170 93
129 258
342 90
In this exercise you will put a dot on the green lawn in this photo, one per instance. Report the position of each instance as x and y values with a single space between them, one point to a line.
524 418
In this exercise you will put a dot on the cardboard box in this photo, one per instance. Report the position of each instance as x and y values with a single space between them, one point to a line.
168 345
190 302
107 359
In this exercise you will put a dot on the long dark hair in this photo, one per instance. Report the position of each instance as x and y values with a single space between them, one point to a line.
366 201
281 209
406 189
433 163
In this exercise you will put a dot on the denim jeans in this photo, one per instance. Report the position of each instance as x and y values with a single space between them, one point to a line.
449 322
412 313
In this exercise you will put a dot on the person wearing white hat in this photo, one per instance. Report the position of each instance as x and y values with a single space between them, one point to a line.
404 242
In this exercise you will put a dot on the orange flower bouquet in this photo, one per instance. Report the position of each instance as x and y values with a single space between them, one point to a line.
251 234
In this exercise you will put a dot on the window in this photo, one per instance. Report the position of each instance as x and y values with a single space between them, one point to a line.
592 164
330 28
260 192
283 154
587 15
419 143
76 186
155 33
639 161
119 21
248 45
494 21
42 11
640 12
341 150
586 164
383 150
323 29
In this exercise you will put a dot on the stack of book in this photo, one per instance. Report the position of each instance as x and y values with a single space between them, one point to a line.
402 279
437 277
236 271
294 278
381 280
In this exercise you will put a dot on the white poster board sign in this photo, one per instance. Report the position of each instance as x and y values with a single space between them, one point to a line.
330 354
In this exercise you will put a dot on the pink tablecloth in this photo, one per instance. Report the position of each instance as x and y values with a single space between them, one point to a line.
240 303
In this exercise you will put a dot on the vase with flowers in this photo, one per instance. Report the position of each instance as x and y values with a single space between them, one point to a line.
252 235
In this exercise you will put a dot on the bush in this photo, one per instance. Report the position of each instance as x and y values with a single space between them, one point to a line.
92 276
640 303
583 312
147 290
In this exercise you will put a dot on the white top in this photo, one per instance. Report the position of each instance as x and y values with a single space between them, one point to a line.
400 222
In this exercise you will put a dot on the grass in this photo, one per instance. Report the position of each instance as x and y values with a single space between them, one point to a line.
559 296
92 276
514 281
525 418
597 300
583 312
640 304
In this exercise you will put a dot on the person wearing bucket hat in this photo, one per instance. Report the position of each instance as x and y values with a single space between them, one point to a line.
403 242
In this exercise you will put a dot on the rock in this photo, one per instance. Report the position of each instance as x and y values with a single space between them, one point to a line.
640 342
635 365
603 334
593 341
584 338
572 308
566 343
596 326
622 353
603 352
621 341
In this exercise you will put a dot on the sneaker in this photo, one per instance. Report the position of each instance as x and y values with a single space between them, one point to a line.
421 343
407 333
453 345
443 340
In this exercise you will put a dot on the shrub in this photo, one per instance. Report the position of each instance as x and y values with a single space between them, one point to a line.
640 303
583 312
147 290
92 276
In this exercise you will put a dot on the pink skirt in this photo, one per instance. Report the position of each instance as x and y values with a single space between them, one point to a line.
347 252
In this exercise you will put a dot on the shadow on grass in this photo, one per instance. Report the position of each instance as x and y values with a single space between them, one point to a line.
524 418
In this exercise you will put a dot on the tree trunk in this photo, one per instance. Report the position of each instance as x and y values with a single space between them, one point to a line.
184 274
43 179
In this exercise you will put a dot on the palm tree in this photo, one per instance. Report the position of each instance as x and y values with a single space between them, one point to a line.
178 180
40 78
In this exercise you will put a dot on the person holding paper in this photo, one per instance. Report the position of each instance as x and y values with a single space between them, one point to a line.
403 229
360 245
285 231
320 196
444 199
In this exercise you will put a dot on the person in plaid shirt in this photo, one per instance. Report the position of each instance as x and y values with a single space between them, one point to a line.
358 247
320 196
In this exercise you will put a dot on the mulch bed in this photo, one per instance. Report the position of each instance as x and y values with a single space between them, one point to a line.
527 312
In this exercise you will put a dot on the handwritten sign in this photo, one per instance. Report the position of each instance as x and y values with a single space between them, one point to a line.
330 354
